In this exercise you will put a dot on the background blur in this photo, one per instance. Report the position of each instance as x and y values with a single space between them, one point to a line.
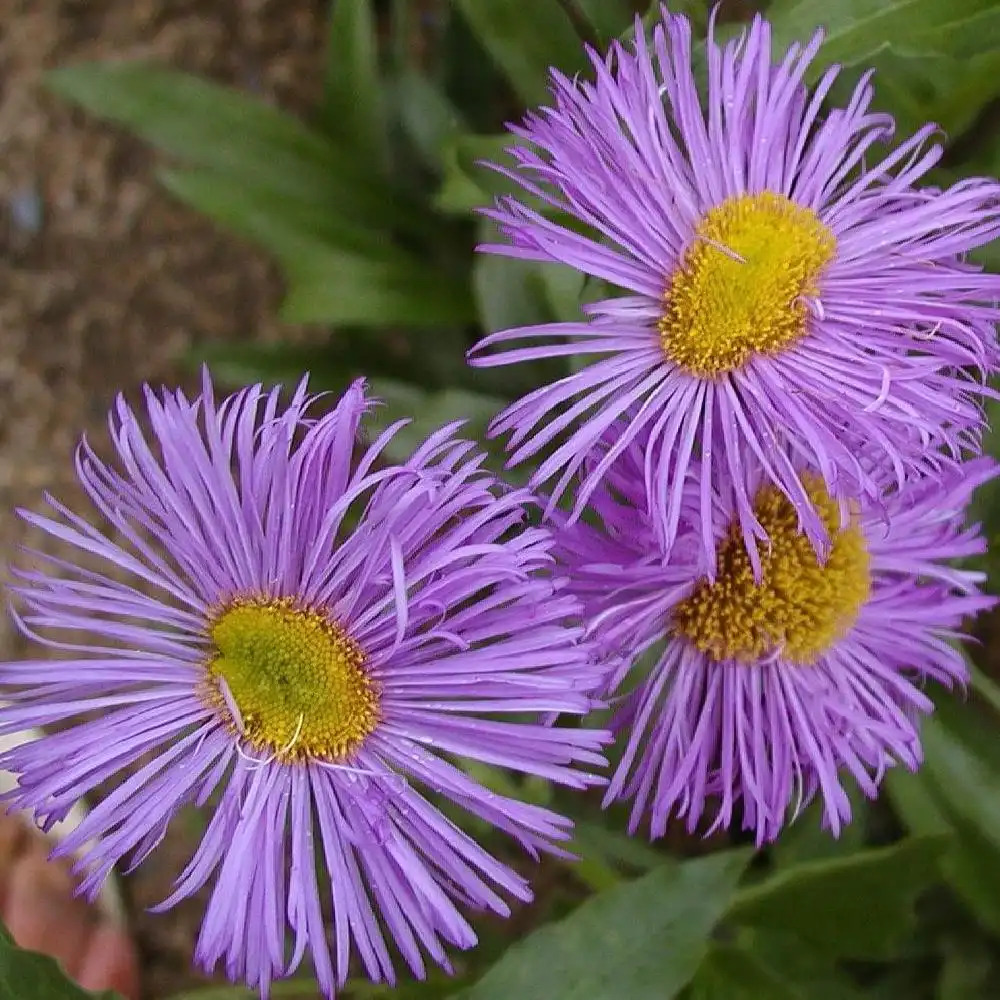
356 229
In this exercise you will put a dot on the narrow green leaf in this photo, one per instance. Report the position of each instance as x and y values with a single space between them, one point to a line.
509 292
859 906
236 136
563 287
427 411
985 686
730 973
643 940
469 183
330 286
352 281
431 122
268 217
352 99
29 975
525 40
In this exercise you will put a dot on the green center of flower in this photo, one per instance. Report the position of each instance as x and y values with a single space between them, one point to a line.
800 606
741 286
297 679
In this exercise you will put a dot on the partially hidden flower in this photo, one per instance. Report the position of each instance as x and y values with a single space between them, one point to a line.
739 700
790 289
283 623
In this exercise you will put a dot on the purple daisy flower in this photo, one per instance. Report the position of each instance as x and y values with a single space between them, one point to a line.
756 694
313 639
791 293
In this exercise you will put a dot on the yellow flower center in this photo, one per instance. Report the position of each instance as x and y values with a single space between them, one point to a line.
801 607
741 286
297 679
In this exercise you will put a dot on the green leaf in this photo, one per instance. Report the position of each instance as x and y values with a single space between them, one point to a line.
855 29
925 87
352 99
344 281
525 40
467 183
806 840
956 791
859 906
985 686
292 989
602 854
509 292
730 973
962 761
812 972
28 975
429 119
237 137
427 412
608 18
563 287
643 940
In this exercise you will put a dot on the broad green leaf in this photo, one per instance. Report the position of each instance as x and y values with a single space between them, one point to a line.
236 136
643 940
284 989
855 29
957 791
608 18
731 973
965 972
603 855
331 283
525 40
971 865
920 88
962 761
813 972
29 975
352 99
859 906
806 840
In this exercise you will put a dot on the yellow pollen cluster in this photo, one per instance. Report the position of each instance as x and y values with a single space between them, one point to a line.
741 286
297 679
801 607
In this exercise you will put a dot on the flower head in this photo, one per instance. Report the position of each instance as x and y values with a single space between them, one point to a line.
790 289
751 693
314 638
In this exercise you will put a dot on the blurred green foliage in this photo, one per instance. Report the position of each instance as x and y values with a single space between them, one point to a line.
369 208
